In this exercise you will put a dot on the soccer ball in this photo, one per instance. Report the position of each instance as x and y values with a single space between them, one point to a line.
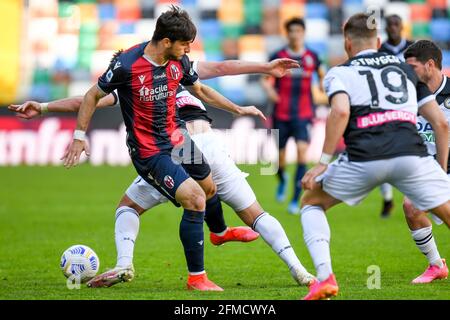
79 263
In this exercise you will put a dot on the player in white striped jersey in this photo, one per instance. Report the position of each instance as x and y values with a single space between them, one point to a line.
426 59
374 101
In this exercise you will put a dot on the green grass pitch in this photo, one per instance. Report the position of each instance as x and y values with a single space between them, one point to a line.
44 210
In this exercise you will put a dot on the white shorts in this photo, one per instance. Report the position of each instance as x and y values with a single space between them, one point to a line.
232 186
421 179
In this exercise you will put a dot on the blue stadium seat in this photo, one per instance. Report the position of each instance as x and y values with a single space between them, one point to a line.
210 29
214 56
316 11
351 2
446 58
106 11
127 28
440 29
188 3
41 92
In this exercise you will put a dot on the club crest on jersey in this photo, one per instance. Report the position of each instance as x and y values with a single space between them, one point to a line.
168 181
175 72
447 103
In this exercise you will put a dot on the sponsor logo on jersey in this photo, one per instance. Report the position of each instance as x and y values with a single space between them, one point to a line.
158 93
159 76
168 181
141 78
379 118
188 101
175 72
447 103
117 65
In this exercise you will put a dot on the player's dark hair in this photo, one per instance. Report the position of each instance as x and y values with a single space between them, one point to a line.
116 55
424 50
393 16
174 24
361 26
294 22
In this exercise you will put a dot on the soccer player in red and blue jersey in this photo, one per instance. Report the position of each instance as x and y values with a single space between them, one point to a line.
146 77
293 105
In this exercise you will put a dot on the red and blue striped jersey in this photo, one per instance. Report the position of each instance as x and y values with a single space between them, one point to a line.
147 95
294 89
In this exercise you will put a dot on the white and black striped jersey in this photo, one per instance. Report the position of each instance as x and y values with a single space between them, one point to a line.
384 95
442 95
397 50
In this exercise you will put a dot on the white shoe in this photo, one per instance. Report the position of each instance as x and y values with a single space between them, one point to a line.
112 277
301 276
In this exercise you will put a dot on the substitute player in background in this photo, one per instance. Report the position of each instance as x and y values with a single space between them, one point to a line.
426 59
374 101
232 187
293 106
395 45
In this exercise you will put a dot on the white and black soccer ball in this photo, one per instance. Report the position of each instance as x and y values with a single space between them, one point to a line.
80 263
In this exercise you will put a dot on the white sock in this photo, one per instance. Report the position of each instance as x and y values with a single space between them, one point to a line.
126 231
316 233
425 242
273 234
386 191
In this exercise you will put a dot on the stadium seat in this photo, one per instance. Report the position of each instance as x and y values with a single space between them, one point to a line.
399 8
440 4
316 11
446 57
420 12
317 30
106 11
210 29
440 29
420 30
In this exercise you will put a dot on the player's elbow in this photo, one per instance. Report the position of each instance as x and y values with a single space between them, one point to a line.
441 125
341 112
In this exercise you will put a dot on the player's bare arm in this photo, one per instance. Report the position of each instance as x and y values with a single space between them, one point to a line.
436 118
213 98
78 145
276 68
32 109
336 123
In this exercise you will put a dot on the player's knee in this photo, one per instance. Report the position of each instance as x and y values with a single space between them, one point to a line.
195 198
127 202
411 213
197 201
210 190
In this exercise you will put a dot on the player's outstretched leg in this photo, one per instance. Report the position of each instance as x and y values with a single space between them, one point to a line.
220 233
388 202
126 231
273 234
421 232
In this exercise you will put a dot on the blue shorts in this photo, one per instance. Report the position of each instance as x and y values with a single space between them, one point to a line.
162 173
292 128
167 170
